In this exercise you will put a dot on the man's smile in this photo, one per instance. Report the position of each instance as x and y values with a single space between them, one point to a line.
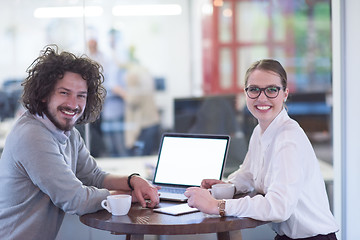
70 112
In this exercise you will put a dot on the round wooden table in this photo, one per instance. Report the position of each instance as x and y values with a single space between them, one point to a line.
141 221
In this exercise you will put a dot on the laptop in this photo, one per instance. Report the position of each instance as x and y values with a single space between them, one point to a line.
184 160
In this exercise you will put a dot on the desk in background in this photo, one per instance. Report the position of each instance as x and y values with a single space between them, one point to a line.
5 127
145 166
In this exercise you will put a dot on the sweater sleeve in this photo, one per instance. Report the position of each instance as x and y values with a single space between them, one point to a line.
44 161
87 170
282 180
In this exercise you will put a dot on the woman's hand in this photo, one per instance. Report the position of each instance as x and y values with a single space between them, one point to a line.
207 183
201 199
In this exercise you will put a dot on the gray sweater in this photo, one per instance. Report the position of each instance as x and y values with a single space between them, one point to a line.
45 172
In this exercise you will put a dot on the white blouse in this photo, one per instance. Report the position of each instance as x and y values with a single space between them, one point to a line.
282 166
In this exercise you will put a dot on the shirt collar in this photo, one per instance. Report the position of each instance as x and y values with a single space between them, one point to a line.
274 127
61 135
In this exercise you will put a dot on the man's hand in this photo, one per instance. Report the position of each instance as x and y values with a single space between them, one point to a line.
145 193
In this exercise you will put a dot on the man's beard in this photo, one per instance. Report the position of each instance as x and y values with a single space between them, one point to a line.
68 125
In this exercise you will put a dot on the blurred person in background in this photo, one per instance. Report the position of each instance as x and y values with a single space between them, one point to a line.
141 115
112 116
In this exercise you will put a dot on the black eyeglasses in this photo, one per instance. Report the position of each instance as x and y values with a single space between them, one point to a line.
270 92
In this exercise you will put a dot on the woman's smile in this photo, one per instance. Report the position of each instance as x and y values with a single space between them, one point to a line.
263 107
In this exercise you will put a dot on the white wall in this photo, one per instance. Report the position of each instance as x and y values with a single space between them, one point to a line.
346 85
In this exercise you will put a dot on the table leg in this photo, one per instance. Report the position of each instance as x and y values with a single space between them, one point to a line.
134 237
223 236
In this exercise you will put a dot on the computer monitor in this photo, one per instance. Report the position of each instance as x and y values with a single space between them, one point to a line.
213 115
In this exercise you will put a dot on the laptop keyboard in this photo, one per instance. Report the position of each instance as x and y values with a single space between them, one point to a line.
172 190
173 194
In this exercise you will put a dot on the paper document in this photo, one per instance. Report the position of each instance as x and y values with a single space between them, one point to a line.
177 209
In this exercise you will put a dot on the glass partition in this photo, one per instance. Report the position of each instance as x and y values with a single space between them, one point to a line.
170 50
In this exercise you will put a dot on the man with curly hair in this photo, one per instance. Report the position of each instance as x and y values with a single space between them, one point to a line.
45 168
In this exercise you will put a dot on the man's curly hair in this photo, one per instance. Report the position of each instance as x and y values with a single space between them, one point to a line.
50 67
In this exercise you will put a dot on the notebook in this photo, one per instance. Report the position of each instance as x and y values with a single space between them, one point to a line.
184 160
176 210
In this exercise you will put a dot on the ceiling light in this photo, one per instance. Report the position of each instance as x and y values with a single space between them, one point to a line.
227 12
147 10
68 12
218 3
207 9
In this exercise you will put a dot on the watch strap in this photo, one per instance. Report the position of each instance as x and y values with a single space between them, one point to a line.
221 207
129 178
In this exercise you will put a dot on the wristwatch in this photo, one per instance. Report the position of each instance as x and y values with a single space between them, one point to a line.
129 178
221 206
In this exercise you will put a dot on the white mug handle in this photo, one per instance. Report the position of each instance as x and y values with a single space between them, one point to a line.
211 192
104 204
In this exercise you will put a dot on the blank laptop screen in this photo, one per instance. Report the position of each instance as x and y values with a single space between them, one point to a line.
187 160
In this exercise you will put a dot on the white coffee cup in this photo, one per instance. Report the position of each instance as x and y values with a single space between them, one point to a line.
117 204
223 190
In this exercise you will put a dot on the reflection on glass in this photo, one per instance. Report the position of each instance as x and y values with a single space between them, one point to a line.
279 22
225 68
313 47
225 22
246 56
181 53
253 20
